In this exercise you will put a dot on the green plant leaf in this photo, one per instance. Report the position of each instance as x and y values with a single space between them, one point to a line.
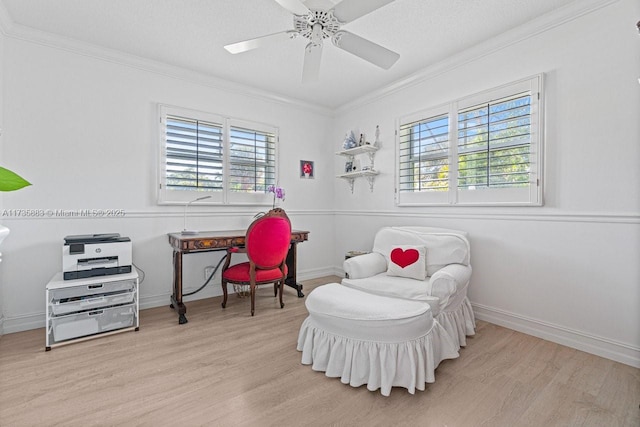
10 181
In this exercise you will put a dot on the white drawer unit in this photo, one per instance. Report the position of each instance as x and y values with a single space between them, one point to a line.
89 308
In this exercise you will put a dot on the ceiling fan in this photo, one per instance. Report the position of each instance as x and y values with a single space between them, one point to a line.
317 25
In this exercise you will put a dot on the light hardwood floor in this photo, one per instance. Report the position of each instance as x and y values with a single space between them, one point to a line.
226 368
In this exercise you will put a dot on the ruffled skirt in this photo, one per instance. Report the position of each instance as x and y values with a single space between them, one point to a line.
379 364
459 323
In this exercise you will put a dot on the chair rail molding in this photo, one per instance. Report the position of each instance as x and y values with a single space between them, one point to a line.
143 214
597 217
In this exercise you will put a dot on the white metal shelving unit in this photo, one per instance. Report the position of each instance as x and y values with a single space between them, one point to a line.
82 309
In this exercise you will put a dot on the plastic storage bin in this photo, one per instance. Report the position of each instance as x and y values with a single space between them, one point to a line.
92 289
87 303
92 322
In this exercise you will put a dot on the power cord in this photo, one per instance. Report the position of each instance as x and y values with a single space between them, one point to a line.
142 271
215 270
207 281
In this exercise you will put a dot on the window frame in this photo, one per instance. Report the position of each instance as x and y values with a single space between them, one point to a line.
167 196
531 195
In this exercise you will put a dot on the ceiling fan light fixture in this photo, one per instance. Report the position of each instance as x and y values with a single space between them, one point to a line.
316 34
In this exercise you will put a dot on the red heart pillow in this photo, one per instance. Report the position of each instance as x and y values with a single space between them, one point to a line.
408 261
404 257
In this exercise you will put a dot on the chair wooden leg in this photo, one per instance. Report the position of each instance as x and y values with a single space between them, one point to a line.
253 298
281 290
275 289
224 291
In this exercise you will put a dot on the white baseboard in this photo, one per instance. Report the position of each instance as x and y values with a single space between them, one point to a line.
155 301
24 323
315 273
603 347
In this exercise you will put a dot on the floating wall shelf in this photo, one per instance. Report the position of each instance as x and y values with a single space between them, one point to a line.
369 173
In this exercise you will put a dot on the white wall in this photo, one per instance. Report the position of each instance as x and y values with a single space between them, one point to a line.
84 132
567 271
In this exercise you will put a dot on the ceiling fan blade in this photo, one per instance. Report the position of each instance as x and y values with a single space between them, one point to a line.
294 6
311 68
363 48
348 10
251 44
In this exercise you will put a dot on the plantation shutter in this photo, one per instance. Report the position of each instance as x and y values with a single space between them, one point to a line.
423 154
252 154
494 144
194 154
251 160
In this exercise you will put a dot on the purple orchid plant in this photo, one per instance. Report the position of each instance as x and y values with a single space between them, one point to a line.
278 193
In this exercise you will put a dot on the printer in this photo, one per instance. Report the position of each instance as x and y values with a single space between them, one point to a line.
92 255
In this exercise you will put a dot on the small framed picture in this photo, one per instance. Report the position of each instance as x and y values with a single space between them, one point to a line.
348 167
306 169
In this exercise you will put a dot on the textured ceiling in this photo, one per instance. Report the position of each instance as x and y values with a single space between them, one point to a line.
191 34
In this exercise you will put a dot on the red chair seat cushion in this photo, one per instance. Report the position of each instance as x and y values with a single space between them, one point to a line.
240 273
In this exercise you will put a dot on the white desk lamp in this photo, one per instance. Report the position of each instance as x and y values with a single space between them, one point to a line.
185 231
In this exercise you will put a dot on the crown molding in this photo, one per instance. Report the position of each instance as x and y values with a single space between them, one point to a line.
521 33
32 35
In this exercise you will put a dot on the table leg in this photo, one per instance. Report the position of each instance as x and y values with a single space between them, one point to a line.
292 263
176 297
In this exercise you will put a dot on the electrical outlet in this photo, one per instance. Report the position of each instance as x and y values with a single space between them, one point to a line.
207 271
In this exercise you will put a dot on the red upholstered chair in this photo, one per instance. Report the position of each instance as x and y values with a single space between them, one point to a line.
266 245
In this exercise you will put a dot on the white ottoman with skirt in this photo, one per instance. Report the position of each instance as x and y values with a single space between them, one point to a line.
370 339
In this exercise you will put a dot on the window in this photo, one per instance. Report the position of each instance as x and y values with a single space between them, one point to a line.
227 160
485 149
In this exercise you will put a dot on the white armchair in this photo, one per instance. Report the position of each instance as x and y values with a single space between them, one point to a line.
448 270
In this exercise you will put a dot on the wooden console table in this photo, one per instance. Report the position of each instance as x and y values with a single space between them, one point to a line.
207 241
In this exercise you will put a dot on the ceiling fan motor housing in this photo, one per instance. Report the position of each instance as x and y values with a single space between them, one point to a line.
305 24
